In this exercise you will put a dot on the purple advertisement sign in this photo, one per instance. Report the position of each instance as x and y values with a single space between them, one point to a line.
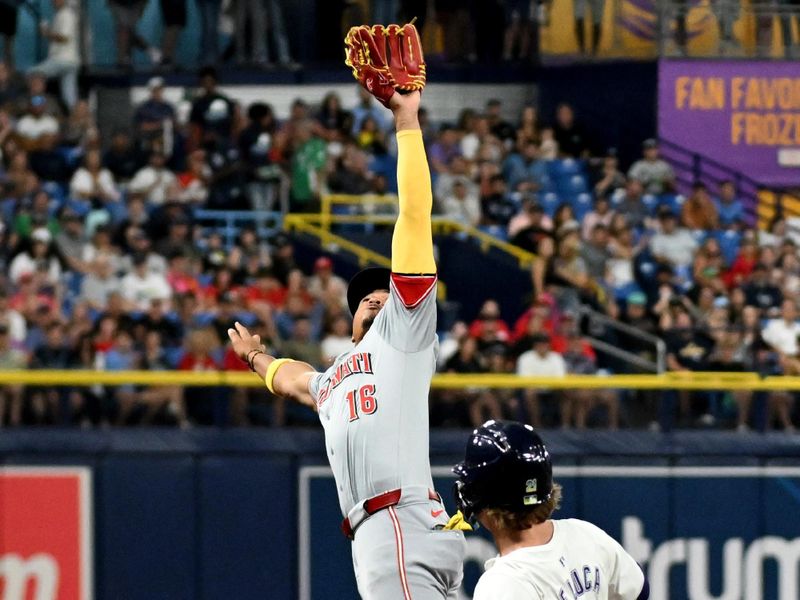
743 114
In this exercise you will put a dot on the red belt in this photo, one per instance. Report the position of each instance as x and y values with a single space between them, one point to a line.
379 503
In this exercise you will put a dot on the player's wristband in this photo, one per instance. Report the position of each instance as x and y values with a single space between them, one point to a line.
251 356
272 369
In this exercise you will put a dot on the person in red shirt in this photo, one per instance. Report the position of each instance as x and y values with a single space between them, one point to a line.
265 294
200 346
489 324
742 265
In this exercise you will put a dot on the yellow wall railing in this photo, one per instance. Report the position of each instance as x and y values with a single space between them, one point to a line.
369 203
667 381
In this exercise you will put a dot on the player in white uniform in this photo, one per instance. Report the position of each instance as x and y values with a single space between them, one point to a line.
506 484
373 401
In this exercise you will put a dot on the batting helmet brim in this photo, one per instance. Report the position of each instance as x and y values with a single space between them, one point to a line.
365 282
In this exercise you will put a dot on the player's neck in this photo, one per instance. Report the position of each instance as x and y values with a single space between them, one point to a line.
538 535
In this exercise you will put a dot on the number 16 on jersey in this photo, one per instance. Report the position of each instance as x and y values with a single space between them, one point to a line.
362 401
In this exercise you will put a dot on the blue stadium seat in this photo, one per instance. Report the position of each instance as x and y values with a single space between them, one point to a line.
549 202
559 169
581 204
496 231
651 202
617 197
547 183
672 201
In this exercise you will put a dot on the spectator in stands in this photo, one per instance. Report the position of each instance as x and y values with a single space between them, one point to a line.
760 291
541 361
155 118
529 129
302 344
308 161
47 160
351 174
139 244
173 15
126 14
782 336
688 350
622 250
490 320
99 283
601 214
12 86
123 159
529 225
573 142
458 408
632 206
521 29
39 259
13 320
367 108
461 206
325 284
673 245
654 173
637 315
8 29
335 121
500 128
698 211
70 240
729 207
497 207
209 35
36 124
524 171
154 181
608 178
92 182
337 341
80 129
63 55
212 111
595 253
37 86
579 403
140 286
446 148
11 359
708 266
596 9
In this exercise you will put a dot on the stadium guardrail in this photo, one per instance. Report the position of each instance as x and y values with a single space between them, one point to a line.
696 380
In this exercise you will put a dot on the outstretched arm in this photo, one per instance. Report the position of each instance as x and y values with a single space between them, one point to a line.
283 377
412 242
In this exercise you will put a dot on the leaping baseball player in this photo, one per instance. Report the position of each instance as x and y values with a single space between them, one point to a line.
506 483
373 401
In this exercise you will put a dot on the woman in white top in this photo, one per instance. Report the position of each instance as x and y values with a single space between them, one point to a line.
92 181
39 258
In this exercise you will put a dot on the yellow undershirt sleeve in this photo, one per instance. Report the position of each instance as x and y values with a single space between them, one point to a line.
412 242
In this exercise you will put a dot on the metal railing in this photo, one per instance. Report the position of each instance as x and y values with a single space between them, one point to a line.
660 348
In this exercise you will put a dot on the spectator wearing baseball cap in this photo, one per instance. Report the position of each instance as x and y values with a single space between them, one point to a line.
540 360
36 123
654 173
325 285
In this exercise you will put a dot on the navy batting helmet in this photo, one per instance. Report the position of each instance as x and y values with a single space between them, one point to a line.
506 466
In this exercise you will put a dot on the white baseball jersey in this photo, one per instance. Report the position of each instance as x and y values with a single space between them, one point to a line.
580 561
373 400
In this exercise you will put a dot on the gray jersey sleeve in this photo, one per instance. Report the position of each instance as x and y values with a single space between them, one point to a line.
408 321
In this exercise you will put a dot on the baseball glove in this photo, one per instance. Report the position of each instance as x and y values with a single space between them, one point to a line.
386 60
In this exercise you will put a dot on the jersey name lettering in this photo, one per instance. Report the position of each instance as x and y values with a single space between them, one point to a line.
357 363
580 582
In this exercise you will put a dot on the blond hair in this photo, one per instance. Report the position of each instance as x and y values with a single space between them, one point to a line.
520 520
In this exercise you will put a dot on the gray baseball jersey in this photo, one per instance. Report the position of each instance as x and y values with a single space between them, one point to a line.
373 405
373 400
580 561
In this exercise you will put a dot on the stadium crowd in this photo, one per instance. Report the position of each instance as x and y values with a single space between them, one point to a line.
106 266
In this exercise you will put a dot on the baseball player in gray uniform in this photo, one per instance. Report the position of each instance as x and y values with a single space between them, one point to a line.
373 401
506 483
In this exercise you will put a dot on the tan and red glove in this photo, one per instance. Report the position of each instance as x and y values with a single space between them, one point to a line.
386 60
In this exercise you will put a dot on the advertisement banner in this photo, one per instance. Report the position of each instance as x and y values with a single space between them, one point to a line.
742 114
45 533
698 532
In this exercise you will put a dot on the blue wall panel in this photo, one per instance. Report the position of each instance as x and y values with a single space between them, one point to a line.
247 528
148 509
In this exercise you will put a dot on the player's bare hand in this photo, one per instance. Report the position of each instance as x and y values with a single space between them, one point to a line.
243 341
406 103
